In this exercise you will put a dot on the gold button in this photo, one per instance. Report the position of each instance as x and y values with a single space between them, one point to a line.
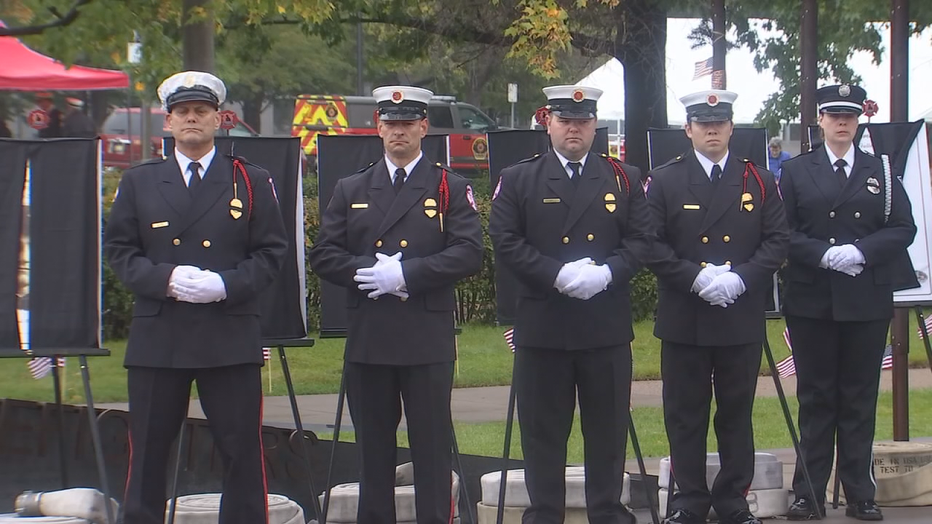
590 237
403 243
705 240
206 243
857 214
404 299
566 240
728 262
176 241
831 241
378 243
702 264
831 214
726 239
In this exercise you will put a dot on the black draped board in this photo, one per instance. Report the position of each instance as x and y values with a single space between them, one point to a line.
746 142
507 148
283 305
339 156
62 238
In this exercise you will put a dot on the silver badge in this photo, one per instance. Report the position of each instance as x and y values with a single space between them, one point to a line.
844 90
873 186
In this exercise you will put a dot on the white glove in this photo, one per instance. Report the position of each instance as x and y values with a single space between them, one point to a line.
202 287
852 270
845 256
177 273
707 275
590 281
829 253
568 273
384 278
723 290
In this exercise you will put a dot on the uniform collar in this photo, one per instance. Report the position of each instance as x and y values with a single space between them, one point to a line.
408 168
184 162
564 161
708 164
848 158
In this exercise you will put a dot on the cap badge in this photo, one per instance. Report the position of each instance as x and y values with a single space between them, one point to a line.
712 99
844 90
578 95
189 80
397 97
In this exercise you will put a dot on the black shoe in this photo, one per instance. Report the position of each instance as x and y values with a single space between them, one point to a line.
742 516
803 509
864 510
684 516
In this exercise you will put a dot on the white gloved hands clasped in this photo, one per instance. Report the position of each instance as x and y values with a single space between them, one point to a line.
195 285
589 282
846 259
568 273
707 275
384 278
723 290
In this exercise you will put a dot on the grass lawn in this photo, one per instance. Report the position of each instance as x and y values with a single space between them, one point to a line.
769 429
484 360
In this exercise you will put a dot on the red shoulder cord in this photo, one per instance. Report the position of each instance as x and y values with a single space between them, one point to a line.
749 167
619 172
238 164
444 193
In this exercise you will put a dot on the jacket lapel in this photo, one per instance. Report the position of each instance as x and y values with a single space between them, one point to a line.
217 178
172 187
557 180
586 190
381 191
823 176
414 188
699 184
725 193
857 180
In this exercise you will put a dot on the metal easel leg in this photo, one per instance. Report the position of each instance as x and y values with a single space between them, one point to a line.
341 397
509 423
640 458
60 423
174 499
925 334
300 430
95 438
463 491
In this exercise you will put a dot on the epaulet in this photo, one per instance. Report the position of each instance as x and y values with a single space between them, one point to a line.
365 168
608 157
243 160
675 160
157 160
748 161
440 165
537 156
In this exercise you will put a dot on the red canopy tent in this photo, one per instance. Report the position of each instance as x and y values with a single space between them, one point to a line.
22 69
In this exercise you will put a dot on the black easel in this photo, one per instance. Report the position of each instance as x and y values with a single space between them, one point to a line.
82 354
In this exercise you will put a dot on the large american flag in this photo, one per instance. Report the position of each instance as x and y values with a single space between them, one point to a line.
787 367
703 68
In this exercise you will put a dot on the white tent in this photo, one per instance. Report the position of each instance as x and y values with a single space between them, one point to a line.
754 88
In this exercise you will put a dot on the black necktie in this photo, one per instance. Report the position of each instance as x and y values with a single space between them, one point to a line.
575 167
840 172
195 180
716 173
399 181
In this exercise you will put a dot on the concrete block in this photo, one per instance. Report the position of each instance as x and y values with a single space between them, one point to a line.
516 494
768 471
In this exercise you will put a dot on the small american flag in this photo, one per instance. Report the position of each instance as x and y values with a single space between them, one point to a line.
266 353
787 367
928 323
40 367
703 68
509 339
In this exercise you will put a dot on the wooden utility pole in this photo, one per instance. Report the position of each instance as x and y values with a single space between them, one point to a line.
197 38
899 112
808 42
719 49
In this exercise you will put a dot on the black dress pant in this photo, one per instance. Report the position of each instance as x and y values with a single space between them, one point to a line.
231 397
547 382
838 376
375 394
690 373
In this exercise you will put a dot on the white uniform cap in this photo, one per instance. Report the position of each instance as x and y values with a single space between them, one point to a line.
402 102
572 101
192 86
714 105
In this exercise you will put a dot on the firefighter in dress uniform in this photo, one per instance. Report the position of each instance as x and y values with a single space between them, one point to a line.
721 235
196 237
849 220
398 236
574 228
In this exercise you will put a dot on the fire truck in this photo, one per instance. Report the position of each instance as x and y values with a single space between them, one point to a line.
356 115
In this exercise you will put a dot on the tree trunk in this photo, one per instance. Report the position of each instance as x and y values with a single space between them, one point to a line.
252 111
198 39
641 48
